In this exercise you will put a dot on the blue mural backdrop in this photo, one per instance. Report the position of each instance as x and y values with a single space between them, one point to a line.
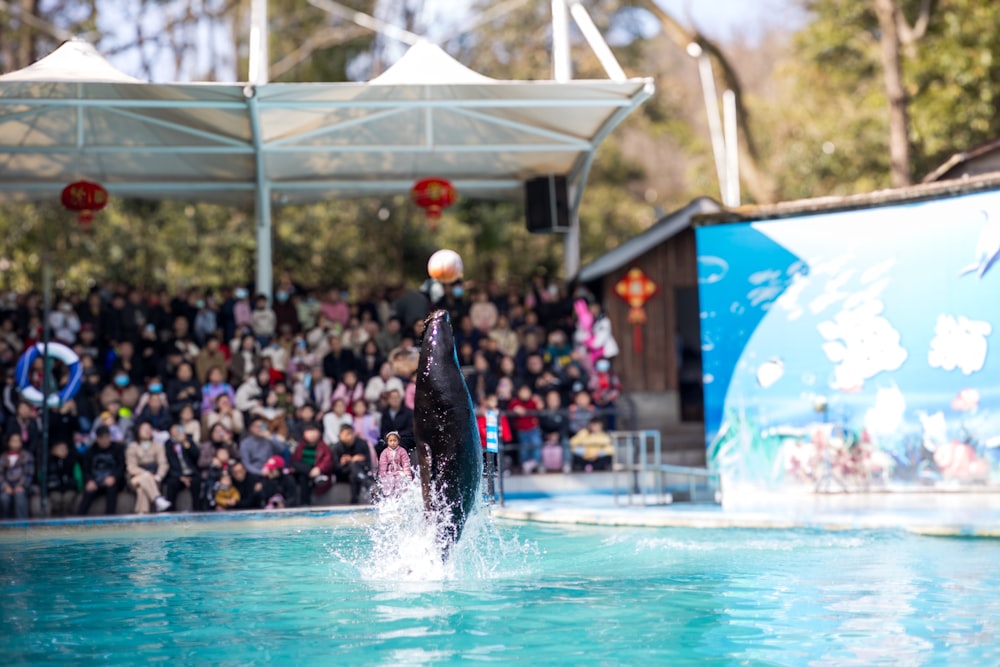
852 349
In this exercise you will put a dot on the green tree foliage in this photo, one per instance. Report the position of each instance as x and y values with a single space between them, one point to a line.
828 125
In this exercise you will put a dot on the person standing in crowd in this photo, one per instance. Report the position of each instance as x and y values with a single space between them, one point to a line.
103 471
259 446
605 388
63 479
146 465
352 462
17 470
526 406
394 471
312 462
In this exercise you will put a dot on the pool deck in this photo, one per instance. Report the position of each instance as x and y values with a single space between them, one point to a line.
590 500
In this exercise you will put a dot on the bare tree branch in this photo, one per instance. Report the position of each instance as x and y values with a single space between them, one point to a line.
908 36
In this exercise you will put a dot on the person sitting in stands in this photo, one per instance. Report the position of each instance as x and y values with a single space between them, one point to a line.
225 414
335 418
63 479
182 457
215 387
592 447
259 446
313 464
278 490
17 468
103 471
352 462
246 484
146 465
394 472
227 496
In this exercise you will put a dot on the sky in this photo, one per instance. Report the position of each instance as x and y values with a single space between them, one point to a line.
722 20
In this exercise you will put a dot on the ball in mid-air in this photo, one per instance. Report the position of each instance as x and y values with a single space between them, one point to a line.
445 266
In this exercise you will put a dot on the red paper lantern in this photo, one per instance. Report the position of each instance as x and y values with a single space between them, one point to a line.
636 289
84 197
433 195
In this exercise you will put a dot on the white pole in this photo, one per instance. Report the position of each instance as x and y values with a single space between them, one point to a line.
732 149
712 110
562 69
258 42
596 42
571 244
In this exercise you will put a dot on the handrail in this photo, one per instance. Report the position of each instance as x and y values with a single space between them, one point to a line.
631 455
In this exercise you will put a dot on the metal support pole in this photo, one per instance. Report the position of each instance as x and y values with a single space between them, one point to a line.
562 68
43 455
258 42
262 200
712 112
732 148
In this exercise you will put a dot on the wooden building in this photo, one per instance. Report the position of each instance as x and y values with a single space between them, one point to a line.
660 361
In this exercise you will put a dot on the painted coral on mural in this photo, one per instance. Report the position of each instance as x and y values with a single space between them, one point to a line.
854 349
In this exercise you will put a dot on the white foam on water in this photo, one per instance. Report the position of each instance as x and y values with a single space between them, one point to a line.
409 544
749 544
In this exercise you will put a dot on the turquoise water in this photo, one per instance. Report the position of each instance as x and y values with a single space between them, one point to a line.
364 591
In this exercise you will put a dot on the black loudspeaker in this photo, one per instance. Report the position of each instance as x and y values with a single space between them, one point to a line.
546 204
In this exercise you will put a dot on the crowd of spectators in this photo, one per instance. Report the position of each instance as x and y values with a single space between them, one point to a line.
248 402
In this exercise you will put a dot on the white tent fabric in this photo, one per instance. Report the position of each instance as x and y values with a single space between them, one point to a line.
72 115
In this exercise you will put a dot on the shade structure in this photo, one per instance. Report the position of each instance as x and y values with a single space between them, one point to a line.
72 115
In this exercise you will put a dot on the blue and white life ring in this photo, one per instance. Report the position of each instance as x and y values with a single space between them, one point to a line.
33 394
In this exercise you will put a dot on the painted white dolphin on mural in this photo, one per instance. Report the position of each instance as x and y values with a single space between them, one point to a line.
987 248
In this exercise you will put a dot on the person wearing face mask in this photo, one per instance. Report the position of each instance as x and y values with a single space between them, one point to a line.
285 313
121 390
605 388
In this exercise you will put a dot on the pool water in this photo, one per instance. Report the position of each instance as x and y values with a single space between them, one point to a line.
352 591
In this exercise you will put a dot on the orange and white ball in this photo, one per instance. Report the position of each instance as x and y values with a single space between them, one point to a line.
445 266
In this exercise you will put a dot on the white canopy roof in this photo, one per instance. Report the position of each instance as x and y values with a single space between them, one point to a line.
73 115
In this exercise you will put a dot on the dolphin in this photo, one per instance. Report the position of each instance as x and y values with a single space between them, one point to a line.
987 247
448 447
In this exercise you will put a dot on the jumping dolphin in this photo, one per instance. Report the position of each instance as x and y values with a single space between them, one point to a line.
987 247
444 426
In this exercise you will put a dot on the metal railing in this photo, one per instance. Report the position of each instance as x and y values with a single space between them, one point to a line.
641 477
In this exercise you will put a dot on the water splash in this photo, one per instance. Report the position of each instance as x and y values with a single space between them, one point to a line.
408 544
